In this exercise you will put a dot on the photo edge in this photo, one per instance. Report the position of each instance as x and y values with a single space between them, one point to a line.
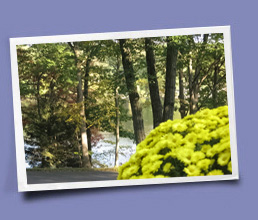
22 187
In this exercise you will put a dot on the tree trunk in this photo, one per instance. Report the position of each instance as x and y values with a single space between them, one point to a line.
86 97
190 78
79 151
52 98
153 83
38 96
170 86
195 91
132 90
85 153
181 96
117 126
214 89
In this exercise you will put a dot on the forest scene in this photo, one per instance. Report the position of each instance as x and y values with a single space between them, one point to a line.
125 108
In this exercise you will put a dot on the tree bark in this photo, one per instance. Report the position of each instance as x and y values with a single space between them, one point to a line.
132 90
38 96
195 91
117 126
80 99
170 85
86 97
190 78
181 96
153 83
116 93
214 89
79 151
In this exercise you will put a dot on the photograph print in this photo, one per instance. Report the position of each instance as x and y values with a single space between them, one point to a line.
126 108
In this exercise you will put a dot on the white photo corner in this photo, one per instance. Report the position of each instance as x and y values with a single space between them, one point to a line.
124 108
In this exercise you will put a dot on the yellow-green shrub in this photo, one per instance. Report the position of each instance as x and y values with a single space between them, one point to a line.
196 145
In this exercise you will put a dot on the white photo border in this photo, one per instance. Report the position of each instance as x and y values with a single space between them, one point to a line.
19 141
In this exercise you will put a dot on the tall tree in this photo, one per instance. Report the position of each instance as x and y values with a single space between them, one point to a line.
90 50
132 91
182 109
214 89
86 97
116 94
117 125
153 83
80 101
170 84
192 102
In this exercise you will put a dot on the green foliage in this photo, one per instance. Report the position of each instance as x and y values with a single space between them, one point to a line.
54 137
208 75
194 146
47 84
48 81
51 116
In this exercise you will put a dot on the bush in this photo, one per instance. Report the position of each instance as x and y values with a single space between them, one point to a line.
196 145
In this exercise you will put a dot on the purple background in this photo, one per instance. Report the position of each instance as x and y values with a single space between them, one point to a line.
210 200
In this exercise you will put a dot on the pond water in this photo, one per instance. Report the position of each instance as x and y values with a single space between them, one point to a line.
104 152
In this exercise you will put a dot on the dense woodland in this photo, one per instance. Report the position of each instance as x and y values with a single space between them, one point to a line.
72 91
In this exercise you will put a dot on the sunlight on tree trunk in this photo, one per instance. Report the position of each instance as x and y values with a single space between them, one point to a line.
85 153
117 126
86 97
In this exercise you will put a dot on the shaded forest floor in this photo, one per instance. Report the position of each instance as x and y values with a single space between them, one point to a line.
39 176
